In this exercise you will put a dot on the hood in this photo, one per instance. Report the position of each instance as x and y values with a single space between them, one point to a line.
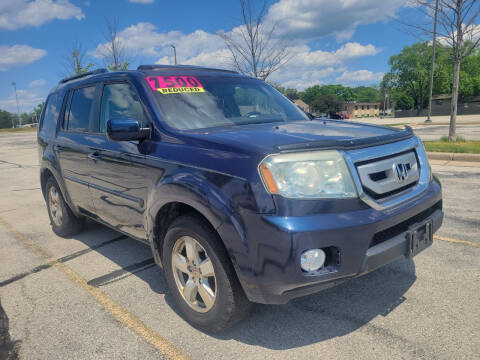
297 135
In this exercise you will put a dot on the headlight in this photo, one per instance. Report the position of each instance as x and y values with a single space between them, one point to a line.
308 175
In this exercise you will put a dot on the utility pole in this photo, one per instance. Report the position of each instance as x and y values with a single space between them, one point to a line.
14 84
385 104
174 52
432 70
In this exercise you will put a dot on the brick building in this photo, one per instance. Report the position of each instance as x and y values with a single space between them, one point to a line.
303 105
356 109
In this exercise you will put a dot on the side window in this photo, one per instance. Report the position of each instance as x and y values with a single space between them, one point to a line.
120 101
81 106
50 113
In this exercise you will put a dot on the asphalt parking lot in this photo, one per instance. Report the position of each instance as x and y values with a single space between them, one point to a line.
99 295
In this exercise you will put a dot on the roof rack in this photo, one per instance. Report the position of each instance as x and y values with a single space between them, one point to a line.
183 67
94 72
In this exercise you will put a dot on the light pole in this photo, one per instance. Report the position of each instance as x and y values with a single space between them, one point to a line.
14 84
174 52
432 70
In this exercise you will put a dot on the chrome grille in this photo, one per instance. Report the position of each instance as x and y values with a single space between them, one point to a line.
385 177
363 156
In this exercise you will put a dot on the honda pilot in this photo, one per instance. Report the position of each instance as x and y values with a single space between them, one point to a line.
241 196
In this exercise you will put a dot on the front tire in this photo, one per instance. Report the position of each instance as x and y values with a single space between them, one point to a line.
63 220
202 281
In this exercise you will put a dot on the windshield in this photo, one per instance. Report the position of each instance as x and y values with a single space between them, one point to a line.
198 102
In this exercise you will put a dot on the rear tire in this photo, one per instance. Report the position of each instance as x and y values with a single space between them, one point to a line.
204 286
63 220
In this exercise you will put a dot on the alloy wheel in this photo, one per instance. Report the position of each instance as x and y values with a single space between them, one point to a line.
55 205
194 274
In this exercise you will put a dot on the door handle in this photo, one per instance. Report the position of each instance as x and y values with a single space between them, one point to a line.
58 148
95 156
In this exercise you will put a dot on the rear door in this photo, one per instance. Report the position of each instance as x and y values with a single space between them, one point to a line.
73 143
118 179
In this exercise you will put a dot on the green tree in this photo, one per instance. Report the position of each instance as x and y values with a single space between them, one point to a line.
5 119
457 22
366 94
344 93
37 111
310 94
410 71
327 103
277 86
291 93
403 101
469 76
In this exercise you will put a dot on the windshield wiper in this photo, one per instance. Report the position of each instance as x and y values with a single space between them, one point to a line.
253 121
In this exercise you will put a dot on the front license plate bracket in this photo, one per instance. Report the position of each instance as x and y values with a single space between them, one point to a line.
419 236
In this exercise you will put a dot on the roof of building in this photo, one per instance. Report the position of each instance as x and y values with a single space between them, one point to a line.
362 102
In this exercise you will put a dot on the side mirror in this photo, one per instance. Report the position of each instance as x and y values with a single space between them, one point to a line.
126 129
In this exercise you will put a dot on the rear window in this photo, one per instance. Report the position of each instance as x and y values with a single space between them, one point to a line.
198 102
81 105
50 112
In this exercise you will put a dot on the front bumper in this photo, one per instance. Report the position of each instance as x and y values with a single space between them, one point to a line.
358 242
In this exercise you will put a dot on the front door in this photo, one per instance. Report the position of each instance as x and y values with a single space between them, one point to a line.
118 181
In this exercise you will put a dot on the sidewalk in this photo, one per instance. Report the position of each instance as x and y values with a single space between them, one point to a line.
415 121
455 163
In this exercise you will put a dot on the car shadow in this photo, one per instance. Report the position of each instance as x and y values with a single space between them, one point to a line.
328 314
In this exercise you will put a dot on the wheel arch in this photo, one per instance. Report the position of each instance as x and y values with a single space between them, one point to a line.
164 218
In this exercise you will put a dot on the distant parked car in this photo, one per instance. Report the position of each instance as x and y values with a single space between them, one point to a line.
338 116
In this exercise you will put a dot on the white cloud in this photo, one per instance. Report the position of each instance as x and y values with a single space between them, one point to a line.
143 39
20 13
309 67
309 19
141 1
359 76
470 33
27 100
16 55
37 83
306 66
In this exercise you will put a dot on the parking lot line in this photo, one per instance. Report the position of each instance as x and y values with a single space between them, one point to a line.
457 241
163 346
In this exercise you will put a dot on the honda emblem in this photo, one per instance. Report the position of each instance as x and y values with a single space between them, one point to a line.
402 172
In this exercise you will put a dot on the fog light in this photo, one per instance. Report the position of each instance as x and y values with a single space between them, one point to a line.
312 260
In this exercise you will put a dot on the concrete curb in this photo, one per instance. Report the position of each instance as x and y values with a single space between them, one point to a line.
453 156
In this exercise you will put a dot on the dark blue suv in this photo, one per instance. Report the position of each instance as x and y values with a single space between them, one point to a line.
241 196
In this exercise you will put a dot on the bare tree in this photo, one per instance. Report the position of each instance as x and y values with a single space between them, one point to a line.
113 51
457 29
253 47
74 62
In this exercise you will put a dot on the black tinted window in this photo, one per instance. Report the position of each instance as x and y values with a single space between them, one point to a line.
81 108
50 112
119 101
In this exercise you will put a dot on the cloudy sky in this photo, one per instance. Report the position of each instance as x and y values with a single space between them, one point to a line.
330 41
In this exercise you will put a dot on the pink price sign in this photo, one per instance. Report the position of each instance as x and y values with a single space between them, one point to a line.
175 84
